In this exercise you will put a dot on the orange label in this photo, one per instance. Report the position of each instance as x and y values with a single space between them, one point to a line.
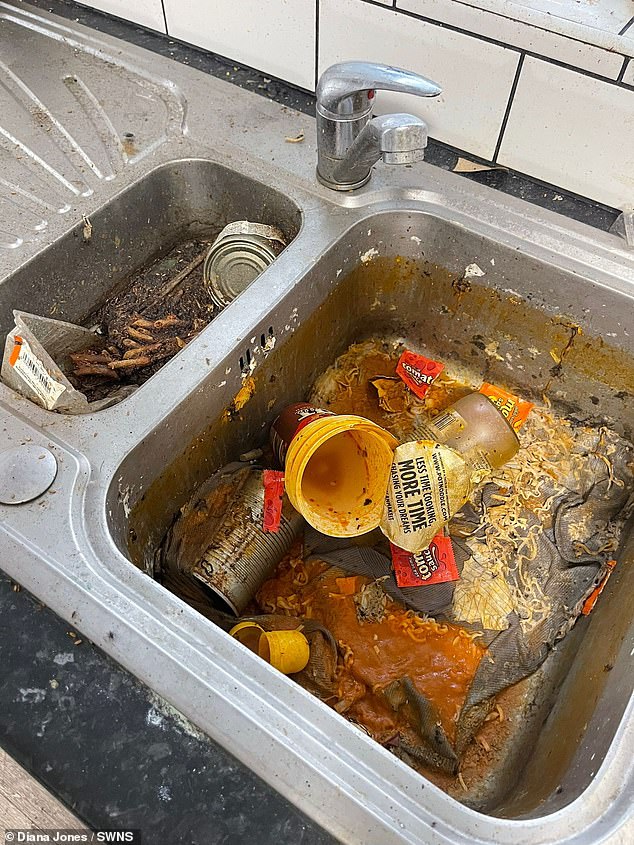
347 586
513 409
15 352
590 602
418 372
434 565
273 495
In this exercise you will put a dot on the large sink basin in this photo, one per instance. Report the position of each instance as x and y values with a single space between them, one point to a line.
388 260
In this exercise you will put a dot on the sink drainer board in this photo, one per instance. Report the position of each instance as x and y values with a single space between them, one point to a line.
173 205
503 324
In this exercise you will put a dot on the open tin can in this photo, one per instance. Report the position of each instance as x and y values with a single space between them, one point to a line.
239 254
240 556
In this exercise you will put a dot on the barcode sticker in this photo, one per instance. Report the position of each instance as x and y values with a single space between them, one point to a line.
443 420
33 373
441 427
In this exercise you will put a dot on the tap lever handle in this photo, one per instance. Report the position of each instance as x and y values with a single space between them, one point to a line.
347 89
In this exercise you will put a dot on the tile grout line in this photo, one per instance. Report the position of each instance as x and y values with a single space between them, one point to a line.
164 16
509 105
619 78
626 27
489 40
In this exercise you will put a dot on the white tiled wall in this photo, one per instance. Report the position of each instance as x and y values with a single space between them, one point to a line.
570 129
475 76
522 34
545 87
148 13
274 36
608 15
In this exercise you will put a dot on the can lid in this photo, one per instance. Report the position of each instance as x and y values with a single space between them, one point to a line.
239 254
260 230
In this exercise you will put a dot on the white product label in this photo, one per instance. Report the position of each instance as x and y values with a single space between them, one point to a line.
428 483
441 428
33 373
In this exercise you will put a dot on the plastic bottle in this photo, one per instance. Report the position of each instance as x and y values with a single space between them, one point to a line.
433 476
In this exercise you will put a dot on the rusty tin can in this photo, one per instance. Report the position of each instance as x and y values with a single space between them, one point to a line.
239 254
241 556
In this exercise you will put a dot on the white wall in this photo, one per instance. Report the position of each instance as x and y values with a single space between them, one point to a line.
535 85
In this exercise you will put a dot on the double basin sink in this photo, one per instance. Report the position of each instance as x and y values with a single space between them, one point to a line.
387 261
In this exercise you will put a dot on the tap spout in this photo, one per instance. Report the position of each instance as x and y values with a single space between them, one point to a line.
349 139
347 88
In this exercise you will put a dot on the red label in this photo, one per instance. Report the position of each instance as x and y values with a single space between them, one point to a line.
434 565
273 495
418 372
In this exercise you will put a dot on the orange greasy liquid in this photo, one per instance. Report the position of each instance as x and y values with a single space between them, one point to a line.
359 396
440 662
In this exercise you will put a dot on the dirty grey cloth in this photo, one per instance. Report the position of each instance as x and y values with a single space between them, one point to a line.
575 538
435 749
375 562
595 505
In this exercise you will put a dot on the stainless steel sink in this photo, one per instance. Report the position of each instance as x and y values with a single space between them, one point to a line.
174 202
389 259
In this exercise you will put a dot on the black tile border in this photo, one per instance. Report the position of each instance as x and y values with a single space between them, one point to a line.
516 80
619 78
626 27
164 17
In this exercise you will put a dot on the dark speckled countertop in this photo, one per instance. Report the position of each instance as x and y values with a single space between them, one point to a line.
106 745
117 754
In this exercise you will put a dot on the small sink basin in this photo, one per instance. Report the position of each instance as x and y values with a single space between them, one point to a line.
176 203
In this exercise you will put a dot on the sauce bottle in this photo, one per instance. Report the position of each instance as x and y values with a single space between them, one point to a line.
433 476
